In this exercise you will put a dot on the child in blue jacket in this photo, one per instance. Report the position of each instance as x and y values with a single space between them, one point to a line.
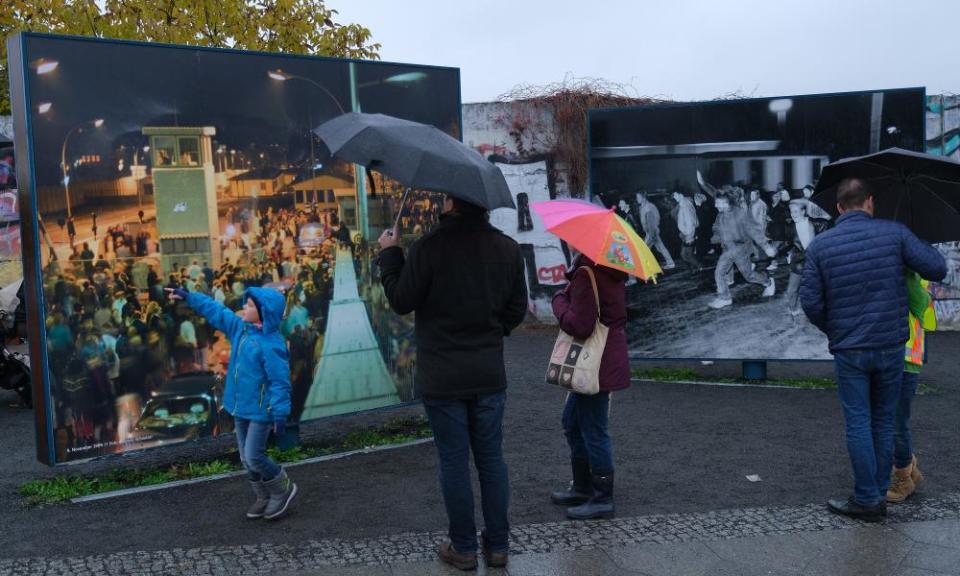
257 390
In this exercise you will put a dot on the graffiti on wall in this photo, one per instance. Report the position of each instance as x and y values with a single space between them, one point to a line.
517 136
943 126
943 137
543 255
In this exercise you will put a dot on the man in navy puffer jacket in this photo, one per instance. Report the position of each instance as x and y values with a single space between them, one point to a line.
854 290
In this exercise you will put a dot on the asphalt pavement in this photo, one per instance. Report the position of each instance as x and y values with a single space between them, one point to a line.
681 451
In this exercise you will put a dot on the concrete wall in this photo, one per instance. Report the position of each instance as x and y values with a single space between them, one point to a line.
519 136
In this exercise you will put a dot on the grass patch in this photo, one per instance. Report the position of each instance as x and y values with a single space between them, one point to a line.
64 488
667 374
691 375
295 454
806 383
396 432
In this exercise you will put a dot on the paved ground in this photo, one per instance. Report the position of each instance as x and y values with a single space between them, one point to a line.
682 453
918 539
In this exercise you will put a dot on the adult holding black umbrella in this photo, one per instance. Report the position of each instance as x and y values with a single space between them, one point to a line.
923 192
465 281
854 289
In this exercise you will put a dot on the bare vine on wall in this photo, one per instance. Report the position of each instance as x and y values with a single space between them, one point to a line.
565 105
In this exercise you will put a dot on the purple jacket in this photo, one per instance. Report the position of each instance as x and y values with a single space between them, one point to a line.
576 309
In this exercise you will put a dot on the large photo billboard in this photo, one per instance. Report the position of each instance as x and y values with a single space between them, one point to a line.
149 166
720 192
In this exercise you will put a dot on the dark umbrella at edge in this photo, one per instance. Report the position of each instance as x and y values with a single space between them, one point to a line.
926 190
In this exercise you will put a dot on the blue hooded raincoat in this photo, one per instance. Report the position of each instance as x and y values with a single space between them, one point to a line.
258 376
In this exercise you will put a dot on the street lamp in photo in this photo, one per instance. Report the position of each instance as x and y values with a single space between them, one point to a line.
281 76
139 174
46 66
96 123
780 107
136 154
402 79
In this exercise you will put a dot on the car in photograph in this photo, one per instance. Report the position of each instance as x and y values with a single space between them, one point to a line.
186 408
311 235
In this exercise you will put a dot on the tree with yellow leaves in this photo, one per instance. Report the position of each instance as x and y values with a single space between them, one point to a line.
293 26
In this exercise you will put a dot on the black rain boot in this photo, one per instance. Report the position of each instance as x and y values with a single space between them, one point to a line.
579 491
601 505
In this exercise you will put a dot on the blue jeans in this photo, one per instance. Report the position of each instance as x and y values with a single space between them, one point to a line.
252 443
902 441
585 421
869 389
460 425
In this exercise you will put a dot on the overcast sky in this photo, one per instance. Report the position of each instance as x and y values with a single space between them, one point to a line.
679 49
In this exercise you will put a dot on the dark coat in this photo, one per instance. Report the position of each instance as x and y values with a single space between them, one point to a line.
793 246
854 285
779 225
465 281
576 309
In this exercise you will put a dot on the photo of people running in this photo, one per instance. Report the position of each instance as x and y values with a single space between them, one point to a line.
721 193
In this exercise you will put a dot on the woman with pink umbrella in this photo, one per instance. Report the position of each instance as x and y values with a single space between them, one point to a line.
608 250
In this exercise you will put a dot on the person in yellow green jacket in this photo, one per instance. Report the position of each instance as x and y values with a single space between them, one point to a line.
921 318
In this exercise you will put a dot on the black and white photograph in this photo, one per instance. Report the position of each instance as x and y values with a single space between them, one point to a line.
721 193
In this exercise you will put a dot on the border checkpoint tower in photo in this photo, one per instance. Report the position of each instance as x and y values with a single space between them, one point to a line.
185 194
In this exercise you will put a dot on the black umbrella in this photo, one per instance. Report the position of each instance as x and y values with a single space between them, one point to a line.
416 155
920 190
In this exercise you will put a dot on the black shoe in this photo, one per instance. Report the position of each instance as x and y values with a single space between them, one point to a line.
580 490
600 505
852 509
570 497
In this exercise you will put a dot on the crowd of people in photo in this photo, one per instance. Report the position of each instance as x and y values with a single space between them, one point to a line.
113 333
419 216
731 228
9 211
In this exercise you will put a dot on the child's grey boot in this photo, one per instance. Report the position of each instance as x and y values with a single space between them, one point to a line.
281 490
256 510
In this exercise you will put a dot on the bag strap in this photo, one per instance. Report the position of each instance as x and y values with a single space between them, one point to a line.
596 291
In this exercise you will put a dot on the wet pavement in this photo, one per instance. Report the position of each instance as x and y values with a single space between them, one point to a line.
686 507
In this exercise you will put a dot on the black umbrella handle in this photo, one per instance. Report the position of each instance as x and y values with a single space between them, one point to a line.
403 202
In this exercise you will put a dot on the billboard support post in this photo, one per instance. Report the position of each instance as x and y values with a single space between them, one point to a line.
754 370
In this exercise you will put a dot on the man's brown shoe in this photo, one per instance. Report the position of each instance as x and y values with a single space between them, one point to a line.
495 559
448 554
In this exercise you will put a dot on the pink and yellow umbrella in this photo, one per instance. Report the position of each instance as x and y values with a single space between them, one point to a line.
600 234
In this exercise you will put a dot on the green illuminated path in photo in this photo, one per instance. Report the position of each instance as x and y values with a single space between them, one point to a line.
350 375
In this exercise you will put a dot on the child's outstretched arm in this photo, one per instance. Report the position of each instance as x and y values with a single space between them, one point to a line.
219 316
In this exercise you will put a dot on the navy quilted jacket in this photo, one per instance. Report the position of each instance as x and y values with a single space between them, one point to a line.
854 286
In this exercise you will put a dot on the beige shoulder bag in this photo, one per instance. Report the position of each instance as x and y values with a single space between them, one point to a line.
575 364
